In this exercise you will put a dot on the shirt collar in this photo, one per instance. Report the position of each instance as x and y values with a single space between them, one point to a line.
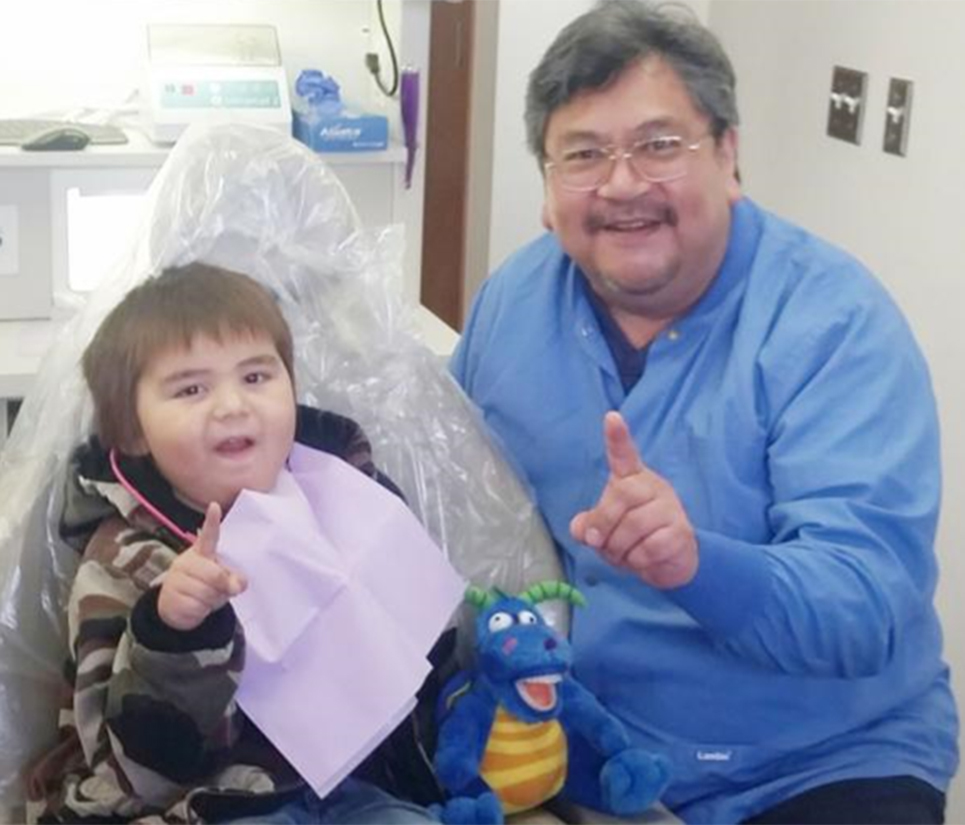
745 232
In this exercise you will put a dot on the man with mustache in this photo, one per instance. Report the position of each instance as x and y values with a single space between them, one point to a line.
731 433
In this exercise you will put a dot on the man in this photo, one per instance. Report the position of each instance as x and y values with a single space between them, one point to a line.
731 433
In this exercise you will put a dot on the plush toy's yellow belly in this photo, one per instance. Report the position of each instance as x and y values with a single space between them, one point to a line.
525 764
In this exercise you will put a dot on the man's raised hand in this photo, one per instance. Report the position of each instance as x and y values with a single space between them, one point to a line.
638 522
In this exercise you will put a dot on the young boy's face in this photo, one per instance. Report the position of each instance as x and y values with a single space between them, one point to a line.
217 417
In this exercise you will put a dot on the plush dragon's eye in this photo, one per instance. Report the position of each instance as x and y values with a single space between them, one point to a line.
500 621
527 617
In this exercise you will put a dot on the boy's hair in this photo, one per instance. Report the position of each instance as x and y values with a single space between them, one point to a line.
171 310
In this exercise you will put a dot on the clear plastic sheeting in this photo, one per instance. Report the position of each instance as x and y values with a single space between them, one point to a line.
253 200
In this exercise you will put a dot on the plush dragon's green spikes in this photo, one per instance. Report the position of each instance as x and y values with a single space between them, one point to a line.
540 592
550 589
479 598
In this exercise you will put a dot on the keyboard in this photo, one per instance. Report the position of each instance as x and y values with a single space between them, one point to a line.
14 132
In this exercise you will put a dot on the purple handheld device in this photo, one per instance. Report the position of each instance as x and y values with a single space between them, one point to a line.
409 101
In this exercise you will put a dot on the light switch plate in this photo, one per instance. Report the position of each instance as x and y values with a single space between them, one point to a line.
897 116
847 104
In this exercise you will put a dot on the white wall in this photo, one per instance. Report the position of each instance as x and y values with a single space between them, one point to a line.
902 216
479 184
526 28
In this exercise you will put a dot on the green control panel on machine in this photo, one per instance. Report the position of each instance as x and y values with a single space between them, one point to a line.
227 94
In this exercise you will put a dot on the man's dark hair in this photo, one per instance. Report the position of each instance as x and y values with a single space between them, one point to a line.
598 46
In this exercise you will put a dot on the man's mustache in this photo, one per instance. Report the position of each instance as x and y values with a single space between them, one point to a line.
650 214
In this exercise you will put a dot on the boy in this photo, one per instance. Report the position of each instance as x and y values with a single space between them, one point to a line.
193 387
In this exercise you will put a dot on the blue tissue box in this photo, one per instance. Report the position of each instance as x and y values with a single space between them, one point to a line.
344 132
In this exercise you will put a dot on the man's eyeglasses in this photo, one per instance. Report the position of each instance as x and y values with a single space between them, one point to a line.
657 160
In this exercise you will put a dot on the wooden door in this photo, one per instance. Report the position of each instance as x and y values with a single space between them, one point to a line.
447 159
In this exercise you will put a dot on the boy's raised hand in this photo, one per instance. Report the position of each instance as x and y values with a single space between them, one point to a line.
638 521
197 583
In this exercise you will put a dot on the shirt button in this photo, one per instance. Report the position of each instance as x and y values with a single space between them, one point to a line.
591 581
673 335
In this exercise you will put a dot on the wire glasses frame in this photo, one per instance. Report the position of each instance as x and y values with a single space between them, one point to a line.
657 160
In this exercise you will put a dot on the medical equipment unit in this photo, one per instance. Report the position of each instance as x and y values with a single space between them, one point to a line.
213 73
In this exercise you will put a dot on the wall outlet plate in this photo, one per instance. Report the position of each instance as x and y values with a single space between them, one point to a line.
847 104
897 116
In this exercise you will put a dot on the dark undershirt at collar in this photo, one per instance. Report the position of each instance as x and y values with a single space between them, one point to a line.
145 477
630 361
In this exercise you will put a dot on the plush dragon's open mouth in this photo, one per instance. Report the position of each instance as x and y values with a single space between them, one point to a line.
539 692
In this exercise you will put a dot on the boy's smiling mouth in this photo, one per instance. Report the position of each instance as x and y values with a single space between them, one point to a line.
233 446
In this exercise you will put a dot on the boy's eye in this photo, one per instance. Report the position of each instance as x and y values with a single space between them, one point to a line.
188 391
257 377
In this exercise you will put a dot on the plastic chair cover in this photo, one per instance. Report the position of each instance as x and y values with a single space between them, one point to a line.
253 200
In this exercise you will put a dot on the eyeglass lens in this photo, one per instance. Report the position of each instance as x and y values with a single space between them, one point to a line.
654 161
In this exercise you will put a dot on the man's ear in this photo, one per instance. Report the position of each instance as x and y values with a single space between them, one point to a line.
544 217
727 155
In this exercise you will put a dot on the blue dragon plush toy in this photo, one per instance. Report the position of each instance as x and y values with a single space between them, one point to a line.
518 729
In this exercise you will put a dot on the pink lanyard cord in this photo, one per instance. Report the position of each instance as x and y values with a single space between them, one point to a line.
127 485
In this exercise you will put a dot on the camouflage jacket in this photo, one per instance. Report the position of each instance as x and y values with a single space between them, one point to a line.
149 726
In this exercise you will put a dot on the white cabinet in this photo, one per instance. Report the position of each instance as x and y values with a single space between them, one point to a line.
37 190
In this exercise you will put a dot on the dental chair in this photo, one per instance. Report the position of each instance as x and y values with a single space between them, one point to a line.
253 200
